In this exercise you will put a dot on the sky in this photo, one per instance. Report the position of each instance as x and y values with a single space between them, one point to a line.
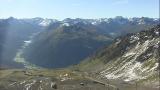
61 9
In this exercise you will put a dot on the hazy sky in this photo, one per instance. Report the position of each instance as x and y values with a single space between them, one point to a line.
60 9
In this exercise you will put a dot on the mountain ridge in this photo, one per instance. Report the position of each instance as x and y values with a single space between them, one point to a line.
132 58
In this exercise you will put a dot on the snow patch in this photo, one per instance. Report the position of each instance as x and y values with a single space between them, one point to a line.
46 22
129 54
28 86
26 43
94 23
66 24
134 38
157 33
23 82
130 73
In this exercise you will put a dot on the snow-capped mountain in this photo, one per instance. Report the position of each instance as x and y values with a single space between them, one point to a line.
68 21
118 20
40 21
47 22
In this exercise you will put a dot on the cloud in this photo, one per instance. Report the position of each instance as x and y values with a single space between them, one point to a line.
120 2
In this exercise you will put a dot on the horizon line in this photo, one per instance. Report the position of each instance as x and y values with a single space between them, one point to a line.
78 17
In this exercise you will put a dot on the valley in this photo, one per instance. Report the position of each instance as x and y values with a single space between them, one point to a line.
79 54
19 54
79 44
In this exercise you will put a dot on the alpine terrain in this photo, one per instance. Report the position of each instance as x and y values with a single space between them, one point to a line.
131 61
68 42
79 54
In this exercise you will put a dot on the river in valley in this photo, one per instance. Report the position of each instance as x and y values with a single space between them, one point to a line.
19 55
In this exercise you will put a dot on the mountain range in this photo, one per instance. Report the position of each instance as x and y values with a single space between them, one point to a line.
62 43
79 54
70 41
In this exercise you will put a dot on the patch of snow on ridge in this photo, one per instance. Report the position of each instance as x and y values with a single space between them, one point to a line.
131 74
155 67
157 33
26 43
118 41
46 22
23 82
134 38
66 24
28 86
129 54
94 23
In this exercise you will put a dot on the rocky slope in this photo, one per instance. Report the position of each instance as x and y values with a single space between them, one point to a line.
47 80
133 59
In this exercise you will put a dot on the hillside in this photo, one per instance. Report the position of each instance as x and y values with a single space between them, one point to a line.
132 58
